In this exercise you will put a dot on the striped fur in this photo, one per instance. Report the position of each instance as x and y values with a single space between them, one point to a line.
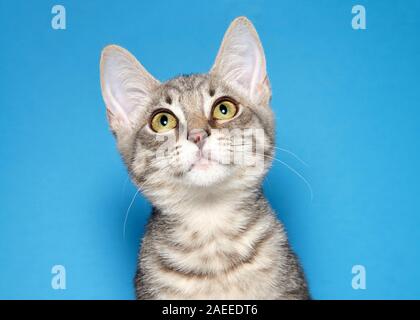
212 233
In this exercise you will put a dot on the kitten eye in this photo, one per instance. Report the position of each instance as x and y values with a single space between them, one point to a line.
224 110
163 122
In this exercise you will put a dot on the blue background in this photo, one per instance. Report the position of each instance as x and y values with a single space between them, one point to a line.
346 101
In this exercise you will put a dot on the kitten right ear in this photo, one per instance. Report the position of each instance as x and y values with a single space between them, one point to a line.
241 61
126 85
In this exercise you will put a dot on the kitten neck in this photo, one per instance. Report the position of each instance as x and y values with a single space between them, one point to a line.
186 200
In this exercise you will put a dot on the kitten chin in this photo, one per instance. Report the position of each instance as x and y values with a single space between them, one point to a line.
206 173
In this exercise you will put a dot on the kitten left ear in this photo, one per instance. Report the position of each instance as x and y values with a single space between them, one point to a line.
126 86
241 61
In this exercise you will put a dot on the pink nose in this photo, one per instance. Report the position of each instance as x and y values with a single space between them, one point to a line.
198 136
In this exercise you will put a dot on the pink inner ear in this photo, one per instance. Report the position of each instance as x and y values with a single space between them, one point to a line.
241 60
125 83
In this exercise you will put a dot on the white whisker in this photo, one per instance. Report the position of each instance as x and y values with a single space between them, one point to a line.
292 154
290 168
299 175
278 148
128 211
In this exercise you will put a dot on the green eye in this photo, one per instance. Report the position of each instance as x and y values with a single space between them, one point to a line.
224 110
163 122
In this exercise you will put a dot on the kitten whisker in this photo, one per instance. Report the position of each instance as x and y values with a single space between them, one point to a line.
291 169
278 148
299 175
128 211
293 155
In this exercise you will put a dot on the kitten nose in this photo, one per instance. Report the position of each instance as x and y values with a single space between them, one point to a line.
198 136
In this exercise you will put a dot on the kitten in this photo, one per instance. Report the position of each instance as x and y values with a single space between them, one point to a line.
212 234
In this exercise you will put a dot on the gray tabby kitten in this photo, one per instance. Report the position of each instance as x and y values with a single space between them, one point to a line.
212 234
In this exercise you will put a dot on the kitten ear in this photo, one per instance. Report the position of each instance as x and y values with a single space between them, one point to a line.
126 85
241 60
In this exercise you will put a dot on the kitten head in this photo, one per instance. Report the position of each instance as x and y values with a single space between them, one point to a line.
195 131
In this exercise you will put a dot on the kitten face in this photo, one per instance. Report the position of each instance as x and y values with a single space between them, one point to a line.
193 131
228 149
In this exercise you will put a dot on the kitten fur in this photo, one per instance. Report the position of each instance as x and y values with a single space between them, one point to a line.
212 234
